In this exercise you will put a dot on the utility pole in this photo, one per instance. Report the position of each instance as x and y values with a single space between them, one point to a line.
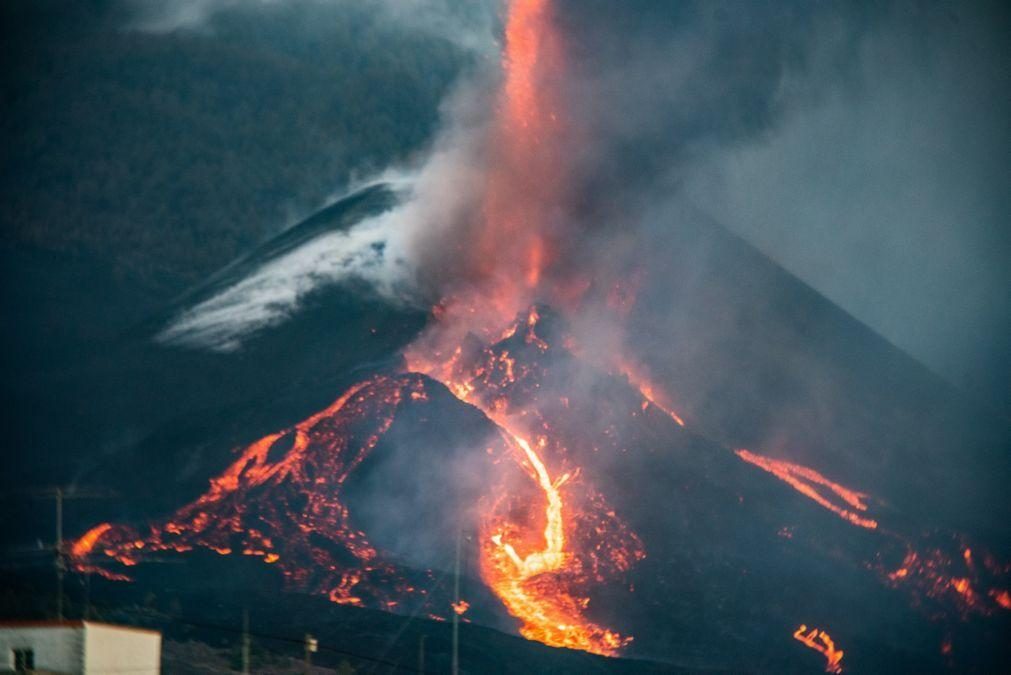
60 494
61 564
456 603
58 549
245 640
421 654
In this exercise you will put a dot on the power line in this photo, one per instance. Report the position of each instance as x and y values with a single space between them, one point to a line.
289 640
59 493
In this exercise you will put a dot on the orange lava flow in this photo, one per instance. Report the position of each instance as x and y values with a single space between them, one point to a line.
86 543
806 481
535 564
523 572
280 501
523 582
651 394
820 641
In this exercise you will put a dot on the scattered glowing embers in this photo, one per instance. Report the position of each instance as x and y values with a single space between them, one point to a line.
808 481
820 641
946 570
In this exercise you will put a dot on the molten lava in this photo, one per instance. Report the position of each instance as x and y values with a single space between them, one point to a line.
807 481
652 395
533 586
281 501
820 641
542 565
968 583
83 546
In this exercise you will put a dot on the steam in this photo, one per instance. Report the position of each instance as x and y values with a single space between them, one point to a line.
469 25
275 291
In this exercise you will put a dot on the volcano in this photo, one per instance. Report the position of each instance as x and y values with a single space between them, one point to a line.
744 479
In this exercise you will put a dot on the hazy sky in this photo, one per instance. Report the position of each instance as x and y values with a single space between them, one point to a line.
890 194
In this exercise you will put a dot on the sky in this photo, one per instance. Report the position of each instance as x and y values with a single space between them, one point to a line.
890 194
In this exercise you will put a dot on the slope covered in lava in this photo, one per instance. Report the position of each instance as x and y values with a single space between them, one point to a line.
683 545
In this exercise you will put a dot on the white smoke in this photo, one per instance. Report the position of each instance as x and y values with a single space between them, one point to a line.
274 291
470 26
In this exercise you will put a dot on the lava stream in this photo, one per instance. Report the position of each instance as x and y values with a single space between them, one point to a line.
820 641
553 555
651 394
806 481
532 586
542 585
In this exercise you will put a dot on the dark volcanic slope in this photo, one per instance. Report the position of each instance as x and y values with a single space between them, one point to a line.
758 359
737 558
114 408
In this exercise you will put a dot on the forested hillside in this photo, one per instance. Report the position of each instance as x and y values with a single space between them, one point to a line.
157 158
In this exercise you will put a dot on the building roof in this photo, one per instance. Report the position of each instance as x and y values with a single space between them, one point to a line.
70 623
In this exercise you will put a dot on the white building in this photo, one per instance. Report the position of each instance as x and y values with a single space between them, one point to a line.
78 648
